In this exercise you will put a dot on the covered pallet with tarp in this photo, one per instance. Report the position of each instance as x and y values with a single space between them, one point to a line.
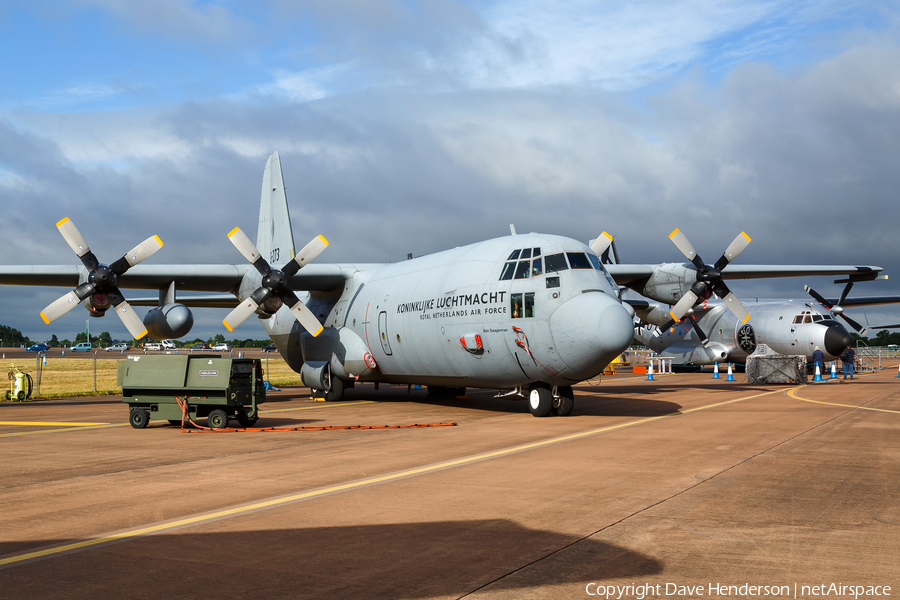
765 366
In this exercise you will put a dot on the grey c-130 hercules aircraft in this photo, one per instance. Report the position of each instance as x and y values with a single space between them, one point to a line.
526 314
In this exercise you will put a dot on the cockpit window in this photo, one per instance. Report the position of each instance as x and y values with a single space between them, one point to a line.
555 262
807 319
523 269
536 267
536 252
508 270
595 262
578 260
514 255
817 318
526 253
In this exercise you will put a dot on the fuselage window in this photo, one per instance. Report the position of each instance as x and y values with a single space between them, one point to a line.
526 253
522 269
555 263
522 305
514 255
536 267
553 282
508 270
578 260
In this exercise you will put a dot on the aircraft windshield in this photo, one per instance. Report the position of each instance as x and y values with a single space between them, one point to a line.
516 268
556 263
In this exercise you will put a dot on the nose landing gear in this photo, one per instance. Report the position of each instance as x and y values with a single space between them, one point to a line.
545 400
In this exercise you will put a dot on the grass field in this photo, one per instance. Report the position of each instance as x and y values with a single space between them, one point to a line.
64 377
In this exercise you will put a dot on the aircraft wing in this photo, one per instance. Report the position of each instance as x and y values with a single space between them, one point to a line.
625 274
865 301
195 278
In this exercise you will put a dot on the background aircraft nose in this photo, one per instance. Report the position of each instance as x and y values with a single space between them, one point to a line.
589 331
836 339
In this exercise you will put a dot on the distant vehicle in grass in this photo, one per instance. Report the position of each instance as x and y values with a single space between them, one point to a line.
38 348
83 346
167 344
200 347
120 347
221 347
152 346
270 348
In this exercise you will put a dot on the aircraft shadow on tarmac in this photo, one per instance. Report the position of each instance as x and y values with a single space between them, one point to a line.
401 560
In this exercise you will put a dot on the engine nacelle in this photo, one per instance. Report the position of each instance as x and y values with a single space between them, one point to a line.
170 321
669 282
96 304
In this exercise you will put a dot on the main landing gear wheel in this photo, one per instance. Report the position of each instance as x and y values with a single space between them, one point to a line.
139 418
540 400
217 419
563 405
336 391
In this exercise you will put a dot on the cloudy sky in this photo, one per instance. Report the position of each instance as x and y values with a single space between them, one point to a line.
414 126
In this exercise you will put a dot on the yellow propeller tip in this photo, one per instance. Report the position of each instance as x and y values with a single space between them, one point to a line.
324 240
137 337
674 232
44 317
233 231
321 329
158 241
227 326
747 237
63 221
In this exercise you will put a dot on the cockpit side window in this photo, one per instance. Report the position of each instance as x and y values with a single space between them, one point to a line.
817 318
508 270
536 267
578 260
595 262
807 319
514 255
555 263
798 319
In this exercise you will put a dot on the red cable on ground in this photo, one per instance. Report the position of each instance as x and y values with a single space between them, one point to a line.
182 402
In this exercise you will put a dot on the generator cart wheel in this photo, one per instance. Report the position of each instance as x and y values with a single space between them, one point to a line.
21 396
8 395
217 419
139 418
246 421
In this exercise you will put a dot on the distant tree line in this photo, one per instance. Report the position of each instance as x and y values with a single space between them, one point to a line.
13 338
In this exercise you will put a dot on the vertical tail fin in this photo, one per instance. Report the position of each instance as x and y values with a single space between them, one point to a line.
274 238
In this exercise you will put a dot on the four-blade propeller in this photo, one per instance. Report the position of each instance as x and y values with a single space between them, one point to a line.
709 277
836 309
102 279
274 282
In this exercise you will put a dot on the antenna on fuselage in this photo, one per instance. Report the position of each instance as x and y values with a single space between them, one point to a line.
512 229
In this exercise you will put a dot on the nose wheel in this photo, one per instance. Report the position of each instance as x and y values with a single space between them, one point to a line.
544 400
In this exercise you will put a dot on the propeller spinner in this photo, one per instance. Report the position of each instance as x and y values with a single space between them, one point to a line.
709 277
274 282
102 279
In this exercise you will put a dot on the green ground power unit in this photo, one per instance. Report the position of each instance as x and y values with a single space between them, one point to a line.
214 388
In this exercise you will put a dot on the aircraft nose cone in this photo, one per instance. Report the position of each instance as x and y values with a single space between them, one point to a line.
589 331
836 339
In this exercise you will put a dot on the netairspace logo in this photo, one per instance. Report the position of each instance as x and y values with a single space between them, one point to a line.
720 590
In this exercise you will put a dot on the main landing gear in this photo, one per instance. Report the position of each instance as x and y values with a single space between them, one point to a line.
544 400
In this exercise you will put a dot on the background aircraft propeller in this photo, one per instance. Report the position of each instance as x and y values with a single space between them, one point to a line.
102 279
274 282
709 277
836 309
